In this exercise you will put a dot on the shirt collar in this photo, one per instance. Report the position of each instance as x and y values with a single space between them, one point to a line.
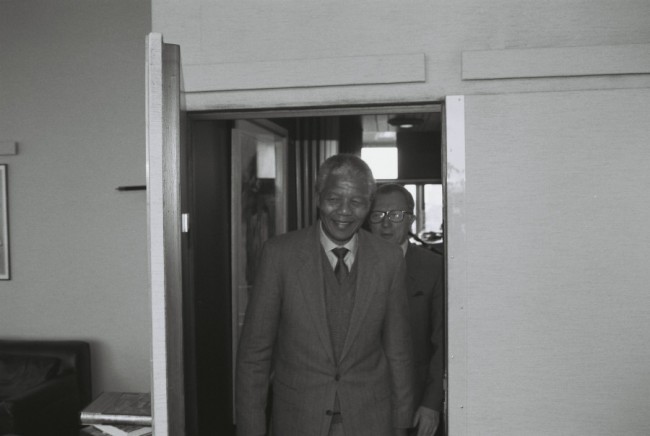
328 245
405 246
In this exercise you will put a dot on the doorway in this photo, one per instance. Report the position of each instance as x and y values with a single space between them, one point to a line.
411 134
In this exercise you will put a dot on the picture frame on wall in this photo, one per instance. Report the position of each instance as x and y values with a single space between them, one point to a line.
4 225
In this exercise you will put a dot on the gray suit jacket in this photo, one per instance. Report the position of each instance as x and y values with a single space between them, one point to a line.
425 286
286 333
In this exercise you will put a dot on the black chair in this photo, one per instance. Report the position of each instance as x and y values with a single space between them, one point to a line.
44 384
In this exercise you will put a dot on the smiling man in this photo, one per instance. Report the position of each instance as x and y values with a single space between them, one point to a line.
391 218
328 318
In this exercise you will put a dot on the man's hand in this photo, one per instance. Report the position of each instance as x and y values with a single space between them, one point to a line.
426 420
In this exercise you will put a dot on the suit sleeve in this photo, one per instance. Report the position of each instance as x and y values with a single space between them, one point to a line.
434 392
398 349
254 355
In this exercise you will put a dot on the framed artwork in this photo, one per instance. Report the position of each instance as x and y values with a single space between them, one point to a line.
4 225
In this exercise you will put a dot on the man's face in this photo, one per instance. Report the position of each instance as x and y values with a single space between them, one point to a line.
394 232
343 203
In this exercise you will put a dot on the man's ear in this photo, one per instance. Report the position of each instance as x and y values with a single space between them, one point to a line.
412 218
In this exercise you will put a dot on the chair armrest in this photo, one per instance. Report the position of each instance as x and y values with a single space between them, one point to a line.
51 405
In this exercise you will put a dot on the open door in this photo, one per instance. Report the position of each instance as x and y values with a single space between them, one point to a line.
164 137
259 207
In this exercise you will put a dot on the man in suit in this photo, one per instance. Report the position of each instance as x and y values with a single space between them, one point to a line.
391 217
329 331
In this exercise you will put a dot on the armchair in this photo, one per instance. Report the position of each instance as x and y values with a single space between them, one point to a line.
44 384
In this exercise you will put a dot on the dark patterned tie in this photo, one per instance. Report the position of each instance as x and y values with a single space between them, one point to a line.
341 269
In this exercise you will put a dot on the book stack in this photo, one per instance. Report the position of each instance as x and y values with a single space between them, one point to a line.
119 414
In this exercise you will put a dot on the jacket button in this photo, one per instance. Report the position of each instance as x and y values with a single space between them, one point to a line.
337 377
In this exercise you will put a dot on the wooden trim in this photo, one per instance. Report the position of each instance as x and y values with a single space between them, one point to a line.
556 62
164 218
456 259
235 248
156 233
299 112
300 73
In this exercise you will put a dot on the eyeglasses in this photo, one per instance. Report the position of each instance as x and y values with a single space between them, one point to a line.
395 216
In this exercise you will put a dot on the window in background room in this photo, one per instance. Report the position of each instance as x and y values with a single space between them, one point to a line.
382 161
428 196
428 205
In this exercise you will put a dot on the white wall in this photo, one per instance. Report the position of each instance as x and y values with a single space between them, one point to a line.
72 95
549 310
350 52
552 275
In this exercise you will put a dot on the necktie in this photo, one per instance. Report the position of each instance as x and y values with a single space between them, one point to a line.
341 269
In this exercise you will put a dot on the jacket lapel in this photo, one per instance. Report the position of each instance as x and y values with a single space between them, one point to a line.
312 285
411 278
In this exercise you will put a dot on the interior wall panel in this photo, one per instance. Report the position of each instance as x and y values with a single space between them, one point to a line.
556 279
557 62
232 49
72 115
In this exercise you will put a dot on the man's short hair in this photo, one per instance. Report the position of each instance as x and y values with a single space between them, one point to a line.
388 188
348 165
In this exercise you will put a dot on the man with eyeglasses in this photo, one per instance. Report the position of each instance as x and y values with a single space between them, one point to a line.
327 323
390 218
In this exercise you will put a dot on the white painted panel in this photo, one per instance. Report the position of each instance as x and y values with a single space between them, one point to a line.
456 244
558 242
356 70
155 227
244 33
556 62
164 142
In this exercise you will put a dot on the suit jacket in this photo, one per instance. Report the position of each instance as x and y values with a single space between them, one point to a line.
286 333
425 286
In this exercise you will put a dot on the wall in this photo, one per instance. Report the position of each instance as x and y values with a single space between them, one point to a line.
72 95
548 336
548 302
250 54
